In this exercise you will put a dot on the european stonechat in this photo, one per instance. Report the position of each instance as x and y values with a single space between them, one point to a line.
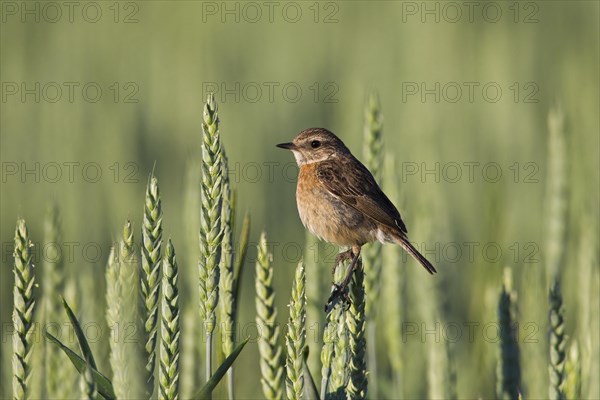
340 202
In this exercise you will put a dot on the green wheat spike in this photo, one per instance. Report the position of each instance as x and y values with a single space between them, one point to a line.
373 153
573 373
335 353
191 367
150 275
355 324
211 233
119 322
556 188
170 332
122 296
508 372
131 325
392 287
56 377
296 336
114 313
24 304
226 267
373 140
328 349
452 377
189 352
315 290
588 299
556 369
271 365
436 364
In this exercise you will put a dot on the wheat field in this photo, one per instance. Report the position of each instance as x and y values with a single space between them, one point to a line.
151 246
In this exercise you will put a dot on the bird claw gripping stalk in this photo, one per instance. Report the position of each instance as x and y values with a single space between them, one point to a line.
340 291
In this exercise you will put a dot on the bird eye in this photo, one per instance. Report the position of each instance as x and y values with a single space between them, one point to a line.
314 144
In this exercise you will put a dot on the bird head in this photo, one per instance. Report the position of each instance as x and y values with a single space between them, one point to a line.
314 145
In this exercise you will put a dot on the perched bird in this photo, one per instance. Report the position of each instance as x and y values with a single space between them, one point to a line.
340 202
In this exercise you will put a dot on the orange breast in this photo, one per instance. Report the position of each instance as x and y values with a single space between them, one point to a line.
328 217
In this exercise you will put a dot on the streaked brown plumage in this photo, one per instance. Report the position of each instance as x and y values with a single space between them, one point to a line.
339 201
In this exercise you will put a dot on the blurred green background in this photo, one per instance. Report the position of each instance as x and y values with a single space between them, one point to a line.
155 62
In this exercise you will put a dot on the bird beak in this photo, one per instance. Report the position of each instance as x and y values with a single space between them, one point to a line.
288 146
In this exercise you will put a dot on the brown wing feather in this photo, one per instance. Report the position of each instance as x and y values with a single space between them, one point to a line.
350 181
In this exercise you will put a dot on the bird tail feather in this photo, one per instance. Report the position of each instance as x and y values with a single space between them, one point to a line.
410 249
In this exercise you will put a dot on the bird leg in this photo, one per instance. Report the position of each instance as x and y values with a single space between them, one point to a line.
348 277
342 289
340 258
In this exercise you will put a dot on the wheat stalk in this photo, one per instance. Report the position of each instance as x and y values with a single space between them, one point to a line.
296 336
191 326
56 377
131 326
392 287
150 275
315 288
355 323
114 317
373 153
211 194
24 304
556 193
122 316
327 351
227 272
508 372
573 373
558 341
439 384
588 292
334 352
452 393
189 352
266 318
87 385
169 355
